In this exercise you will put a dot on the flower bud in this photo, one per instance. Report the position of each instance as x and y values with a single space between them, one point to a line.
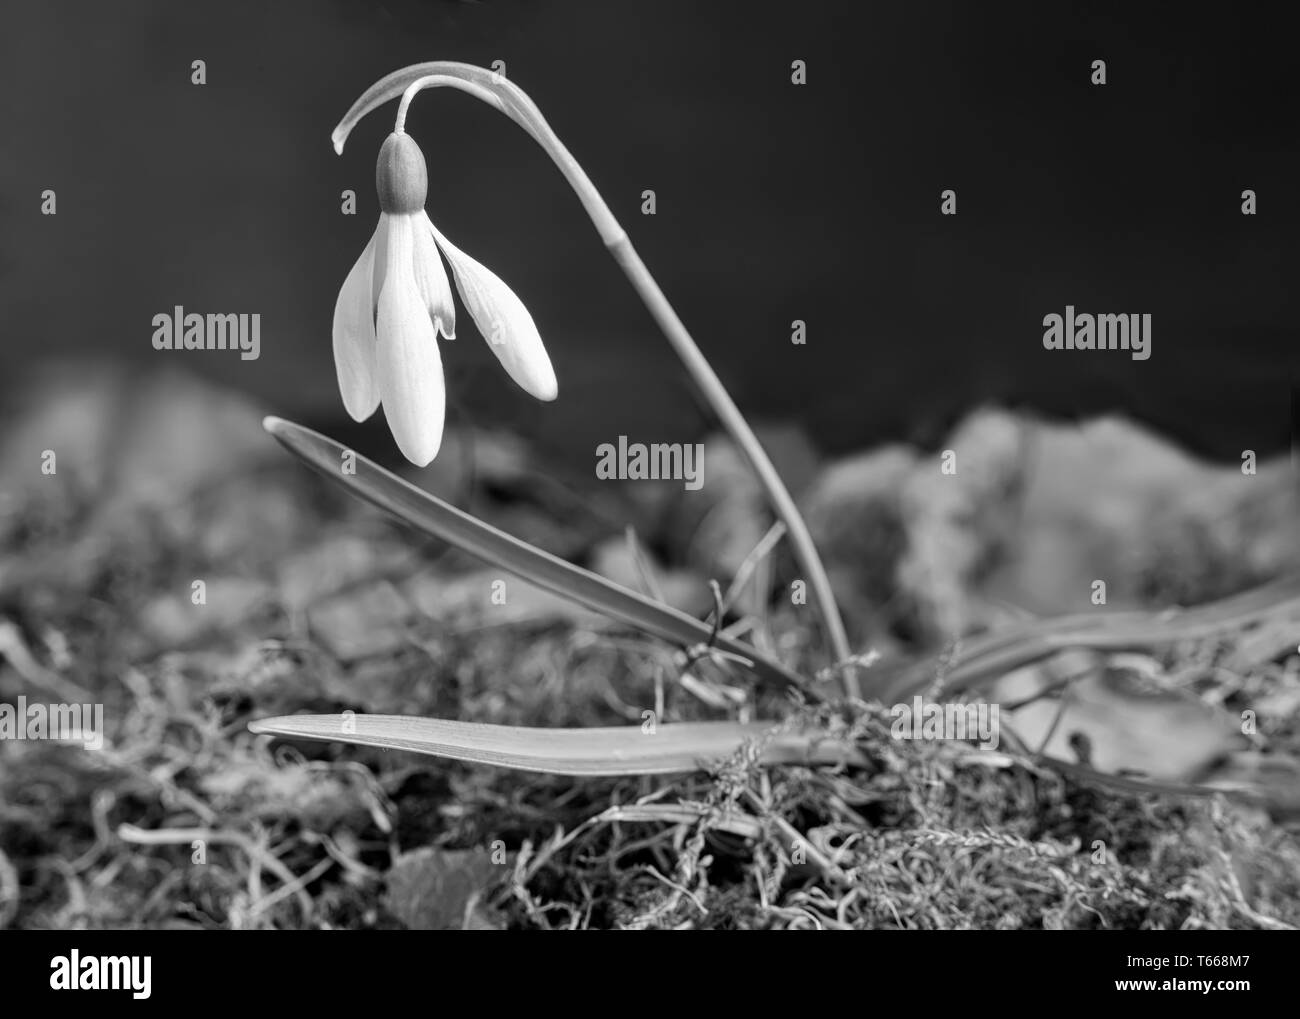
401 177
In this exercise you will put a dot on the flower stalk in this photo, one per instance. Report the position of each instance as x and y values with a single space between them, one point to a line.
497 91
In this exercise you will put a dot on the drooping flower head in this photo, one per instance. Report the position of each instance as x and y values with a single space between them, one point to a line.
397 299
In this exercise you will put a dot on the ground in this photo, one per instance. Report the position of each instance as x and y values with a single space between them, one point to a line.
313 602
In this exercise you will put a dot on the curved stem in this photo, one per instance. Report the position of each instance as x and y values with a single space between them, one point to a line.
697 365
497 91
431 80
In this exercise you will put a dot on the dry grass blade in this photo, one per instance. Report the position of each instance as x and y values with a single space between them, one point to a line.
434 517
758 554
744 825
644 570
620 750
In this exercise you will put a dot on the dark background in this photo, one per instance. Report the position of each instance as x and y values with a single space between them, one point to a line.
775 202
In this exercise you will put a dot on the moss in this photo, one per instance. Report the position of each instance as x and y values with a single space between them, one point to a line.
924 836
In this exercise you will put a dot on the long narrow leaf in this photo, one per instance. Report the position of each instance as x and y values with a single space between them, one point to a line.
620 750
434 517
993 655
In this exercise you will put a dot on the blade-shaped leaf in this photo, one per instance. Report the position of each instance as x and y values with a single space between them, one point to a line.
620 750
434 517
993 655
625 750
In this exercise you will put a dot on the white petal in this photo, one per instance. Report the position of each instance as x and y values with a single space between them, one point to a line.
409 365
354 337
503 320
432 280
381 263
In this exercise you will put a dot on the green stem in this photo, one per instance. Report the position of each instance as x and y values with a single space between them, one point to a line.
497 91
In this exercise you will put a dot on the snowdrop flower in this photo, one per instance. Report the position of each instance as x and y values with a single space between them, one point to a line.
397 299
